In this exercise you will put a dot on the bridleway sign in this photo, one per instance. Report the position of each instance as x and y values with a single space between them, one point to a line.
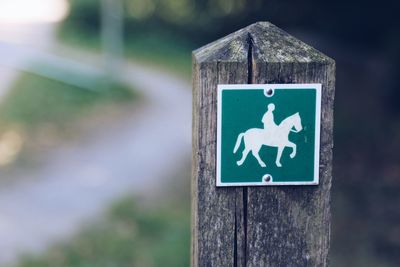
268 134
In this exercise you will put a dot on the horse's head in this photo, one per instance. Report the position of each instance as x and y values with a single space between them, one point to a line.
297 122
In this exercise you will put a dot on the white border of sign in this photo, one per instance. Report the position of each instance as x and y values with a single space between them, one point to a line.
266 87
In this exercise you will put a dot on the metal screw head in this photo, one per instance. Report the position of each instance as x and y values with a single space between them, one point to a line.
267 178
270 92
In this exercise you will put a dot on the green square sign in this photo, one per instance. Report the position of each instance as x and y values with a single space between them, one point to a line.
268 134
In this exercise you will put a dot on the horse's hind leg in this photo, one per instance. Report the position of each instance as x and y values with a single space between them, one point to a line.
294 148
278 156
257 156
244 155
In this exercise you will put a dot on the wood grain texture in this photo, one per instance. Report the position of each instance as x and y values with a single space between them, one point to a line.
258 226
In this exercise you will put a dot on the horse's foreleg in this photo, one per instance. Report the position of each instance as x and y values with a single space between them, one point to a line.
294 147
257 156
244 155
278 156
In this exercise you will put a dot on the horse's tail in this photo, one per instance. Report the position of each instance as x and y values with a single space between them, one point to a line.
238 141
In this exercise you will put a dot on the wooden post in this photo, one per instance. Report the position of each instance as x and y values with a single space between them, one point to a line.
258 226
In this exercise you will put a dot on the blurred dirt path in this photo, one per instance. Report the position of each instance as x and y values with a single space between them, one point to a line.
77 182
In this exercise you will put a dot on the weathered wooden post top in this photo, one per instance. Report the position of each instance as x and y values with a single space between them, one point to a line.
262 151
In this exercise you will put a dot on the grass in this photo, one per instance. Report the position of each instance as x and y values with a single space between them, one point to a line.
34 101
166 51
129 235
37 110
160 49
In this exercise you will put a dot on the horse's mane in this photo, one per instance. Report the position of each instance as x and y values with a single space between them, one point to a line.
288 118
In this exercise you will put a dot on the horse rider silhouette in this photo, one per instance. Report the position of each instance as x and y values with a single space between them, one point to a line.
272 135
268 118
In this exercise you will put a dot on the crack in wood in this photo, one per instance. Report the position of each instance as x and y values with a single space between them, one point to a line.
235 242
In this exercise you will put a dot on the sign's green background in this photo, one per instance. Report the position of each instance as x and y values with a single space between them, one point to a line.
244 109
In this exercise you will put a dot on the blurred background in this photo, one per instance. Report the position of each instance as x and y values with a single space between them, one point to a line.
95 104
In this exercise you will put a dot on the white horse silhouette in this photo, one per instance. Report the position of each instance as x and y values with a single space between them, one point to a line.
278 137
